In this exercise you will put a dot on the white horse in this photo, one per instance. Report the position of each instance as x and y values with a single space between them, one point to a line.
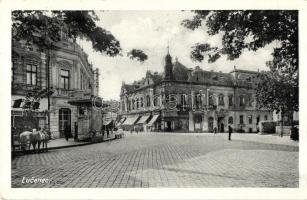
28 138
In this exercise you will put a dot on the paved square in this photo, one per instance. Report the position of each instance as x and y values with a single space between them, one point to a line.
163 160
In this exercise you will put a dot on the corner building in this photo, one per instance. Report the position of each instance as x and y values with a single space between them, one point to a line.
71 77
182 99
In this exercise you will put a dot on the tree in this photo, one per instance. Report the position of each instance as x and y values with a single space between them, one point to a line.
252 30
138 55
44 28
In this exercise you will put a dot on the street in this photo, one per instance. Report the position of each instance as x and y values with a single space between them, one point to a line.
162 160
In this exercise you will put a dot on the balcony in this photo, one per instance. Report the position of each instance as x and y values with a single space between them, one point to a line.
74 94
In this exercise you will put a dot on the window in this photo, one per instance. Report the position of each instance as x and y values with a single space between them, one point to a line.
265 117
221 100
258 119
31 74
133 104
242 100
250 100
230 120
141 103
137 103
250 119
198 101
241 119
183 99
230 100
147 100
211 99
156 99
64 79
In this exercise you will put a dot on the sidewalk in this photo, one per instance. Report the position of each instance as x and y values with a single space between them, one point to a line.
62 143
252 137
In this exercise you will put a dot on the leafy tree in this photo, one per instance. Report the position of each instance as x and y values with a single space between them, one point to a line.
138 55
251 30
44 28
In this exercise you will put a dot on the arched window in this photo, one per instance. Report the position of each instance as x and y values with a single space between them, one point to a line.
137 103
230 120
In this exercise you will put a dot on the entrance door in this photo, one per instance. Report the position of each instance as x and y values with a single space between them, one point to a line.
168 125
64 120
220 122
210 124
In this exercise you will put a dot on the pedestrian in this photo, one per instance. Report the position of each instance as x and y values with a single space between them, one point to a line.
215 130
66 132
229 132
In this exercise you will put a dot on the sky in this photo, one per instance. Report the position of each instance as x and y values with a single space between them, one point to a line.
152 31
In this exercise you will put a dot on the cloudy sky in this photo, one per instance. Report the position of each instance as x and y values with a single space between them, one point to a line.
151 31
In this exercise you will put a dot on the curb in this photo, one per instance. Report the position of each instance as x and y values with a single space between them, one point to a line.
81 144
73 145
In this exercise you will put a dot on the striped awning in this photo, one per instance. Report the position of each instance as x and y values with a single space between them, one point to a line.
153 120
121 120
106 123
131 120
143 119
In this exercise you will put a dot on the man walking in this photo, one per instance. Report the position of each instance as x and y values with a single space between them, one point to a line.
229 132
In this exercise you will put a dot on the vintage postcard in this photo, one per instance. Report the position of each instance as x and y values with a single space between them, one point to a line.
122 101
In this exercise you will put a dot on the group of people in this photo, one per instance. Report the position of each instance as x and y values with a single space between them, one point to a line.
229 131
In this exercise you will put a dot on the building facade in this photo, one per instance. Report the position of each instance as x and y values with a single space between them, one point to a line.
64 70
192 100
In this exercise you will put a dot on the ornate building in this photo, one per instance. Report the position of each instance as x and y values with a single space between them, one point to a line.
70 77
195 100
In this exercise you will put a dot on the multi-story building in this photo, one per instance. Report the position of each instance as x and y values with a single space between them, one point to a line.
185 99
71 77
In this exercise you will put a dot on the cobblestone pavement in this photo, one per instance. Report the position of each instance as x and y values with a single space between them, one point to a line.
159 160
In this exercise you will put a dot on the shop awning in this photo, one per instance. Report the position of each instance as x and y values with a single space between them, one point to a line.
95 102
153 120
143 119
106 123
121 120
131 120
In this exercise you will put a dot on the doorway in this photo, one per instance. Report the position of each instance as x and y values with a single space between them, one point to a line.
210 124
168 126
220 122
64 120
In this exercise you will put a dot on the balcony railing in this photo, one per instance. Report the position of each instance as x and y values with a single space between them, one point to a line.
78 94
